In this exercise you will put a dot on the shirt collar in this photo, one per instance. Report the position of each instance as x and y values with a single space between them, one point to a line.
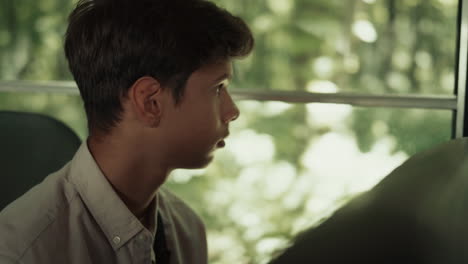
152 215
112 215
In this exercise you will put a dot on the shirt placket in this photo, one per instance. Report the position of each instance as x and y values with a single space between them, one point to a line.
143 248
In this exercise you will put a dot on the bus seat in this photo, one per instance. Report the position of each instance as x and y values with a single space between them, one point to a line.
31 147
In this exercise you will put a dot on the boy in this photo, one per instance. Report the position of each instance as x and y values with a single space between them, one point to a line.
153 77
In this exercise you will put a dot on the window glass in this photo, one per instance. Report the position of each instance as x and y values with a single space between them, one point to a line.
31 39
365 46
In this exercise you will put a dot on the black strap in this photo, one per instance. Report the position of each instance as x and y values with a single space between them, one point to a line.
160 246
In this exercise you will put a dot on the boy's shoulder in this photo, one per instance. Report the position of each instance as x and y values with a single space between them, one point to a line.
25 219
172 204
184 228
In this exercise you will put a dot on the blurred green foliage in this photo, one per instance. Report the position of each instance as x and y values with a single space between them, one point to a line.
252 207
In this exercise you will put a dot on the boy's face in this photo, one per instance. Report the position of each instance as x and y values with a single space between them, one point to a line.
197 126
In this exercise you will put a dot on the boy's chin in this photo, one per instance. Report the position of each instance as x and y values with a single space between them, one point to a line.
199 163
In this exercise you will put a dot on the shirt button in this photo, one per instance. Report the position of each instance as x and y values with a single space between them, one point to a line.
116 240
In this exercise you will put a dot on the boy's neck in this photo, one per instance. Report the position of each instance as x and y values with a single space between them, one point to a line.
133 179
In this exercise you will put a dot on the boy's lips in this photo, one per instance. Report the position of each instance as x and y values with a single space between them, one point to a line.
221 143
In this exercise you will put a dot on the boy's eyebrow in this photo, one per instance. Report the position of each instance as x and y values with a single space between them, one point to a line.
227 76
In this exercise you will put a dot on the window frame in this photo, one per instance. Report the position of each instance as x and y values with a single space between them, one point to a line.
460 114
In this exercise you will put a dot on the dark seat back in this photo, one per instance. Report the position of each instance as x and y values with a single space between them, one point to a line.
31 147
418 214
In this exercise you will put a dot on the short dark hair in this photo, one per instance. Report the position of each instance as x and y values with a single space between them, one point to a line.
109 44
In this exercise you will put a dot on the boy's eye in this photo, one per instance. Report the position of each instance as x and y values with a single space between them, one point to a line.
219 88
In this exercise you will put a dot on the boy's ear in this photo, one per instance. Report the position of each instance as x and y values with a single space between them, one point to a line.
146 98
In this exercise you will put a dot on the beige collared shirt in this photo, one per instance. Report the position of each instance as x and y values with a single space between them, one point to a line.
75 216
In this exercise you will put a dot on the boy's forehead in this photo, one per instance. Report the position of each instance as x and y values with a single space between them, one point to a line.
220 70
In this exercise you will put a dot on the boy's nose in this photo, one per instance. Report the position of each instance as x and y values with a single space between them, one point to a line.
233 112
